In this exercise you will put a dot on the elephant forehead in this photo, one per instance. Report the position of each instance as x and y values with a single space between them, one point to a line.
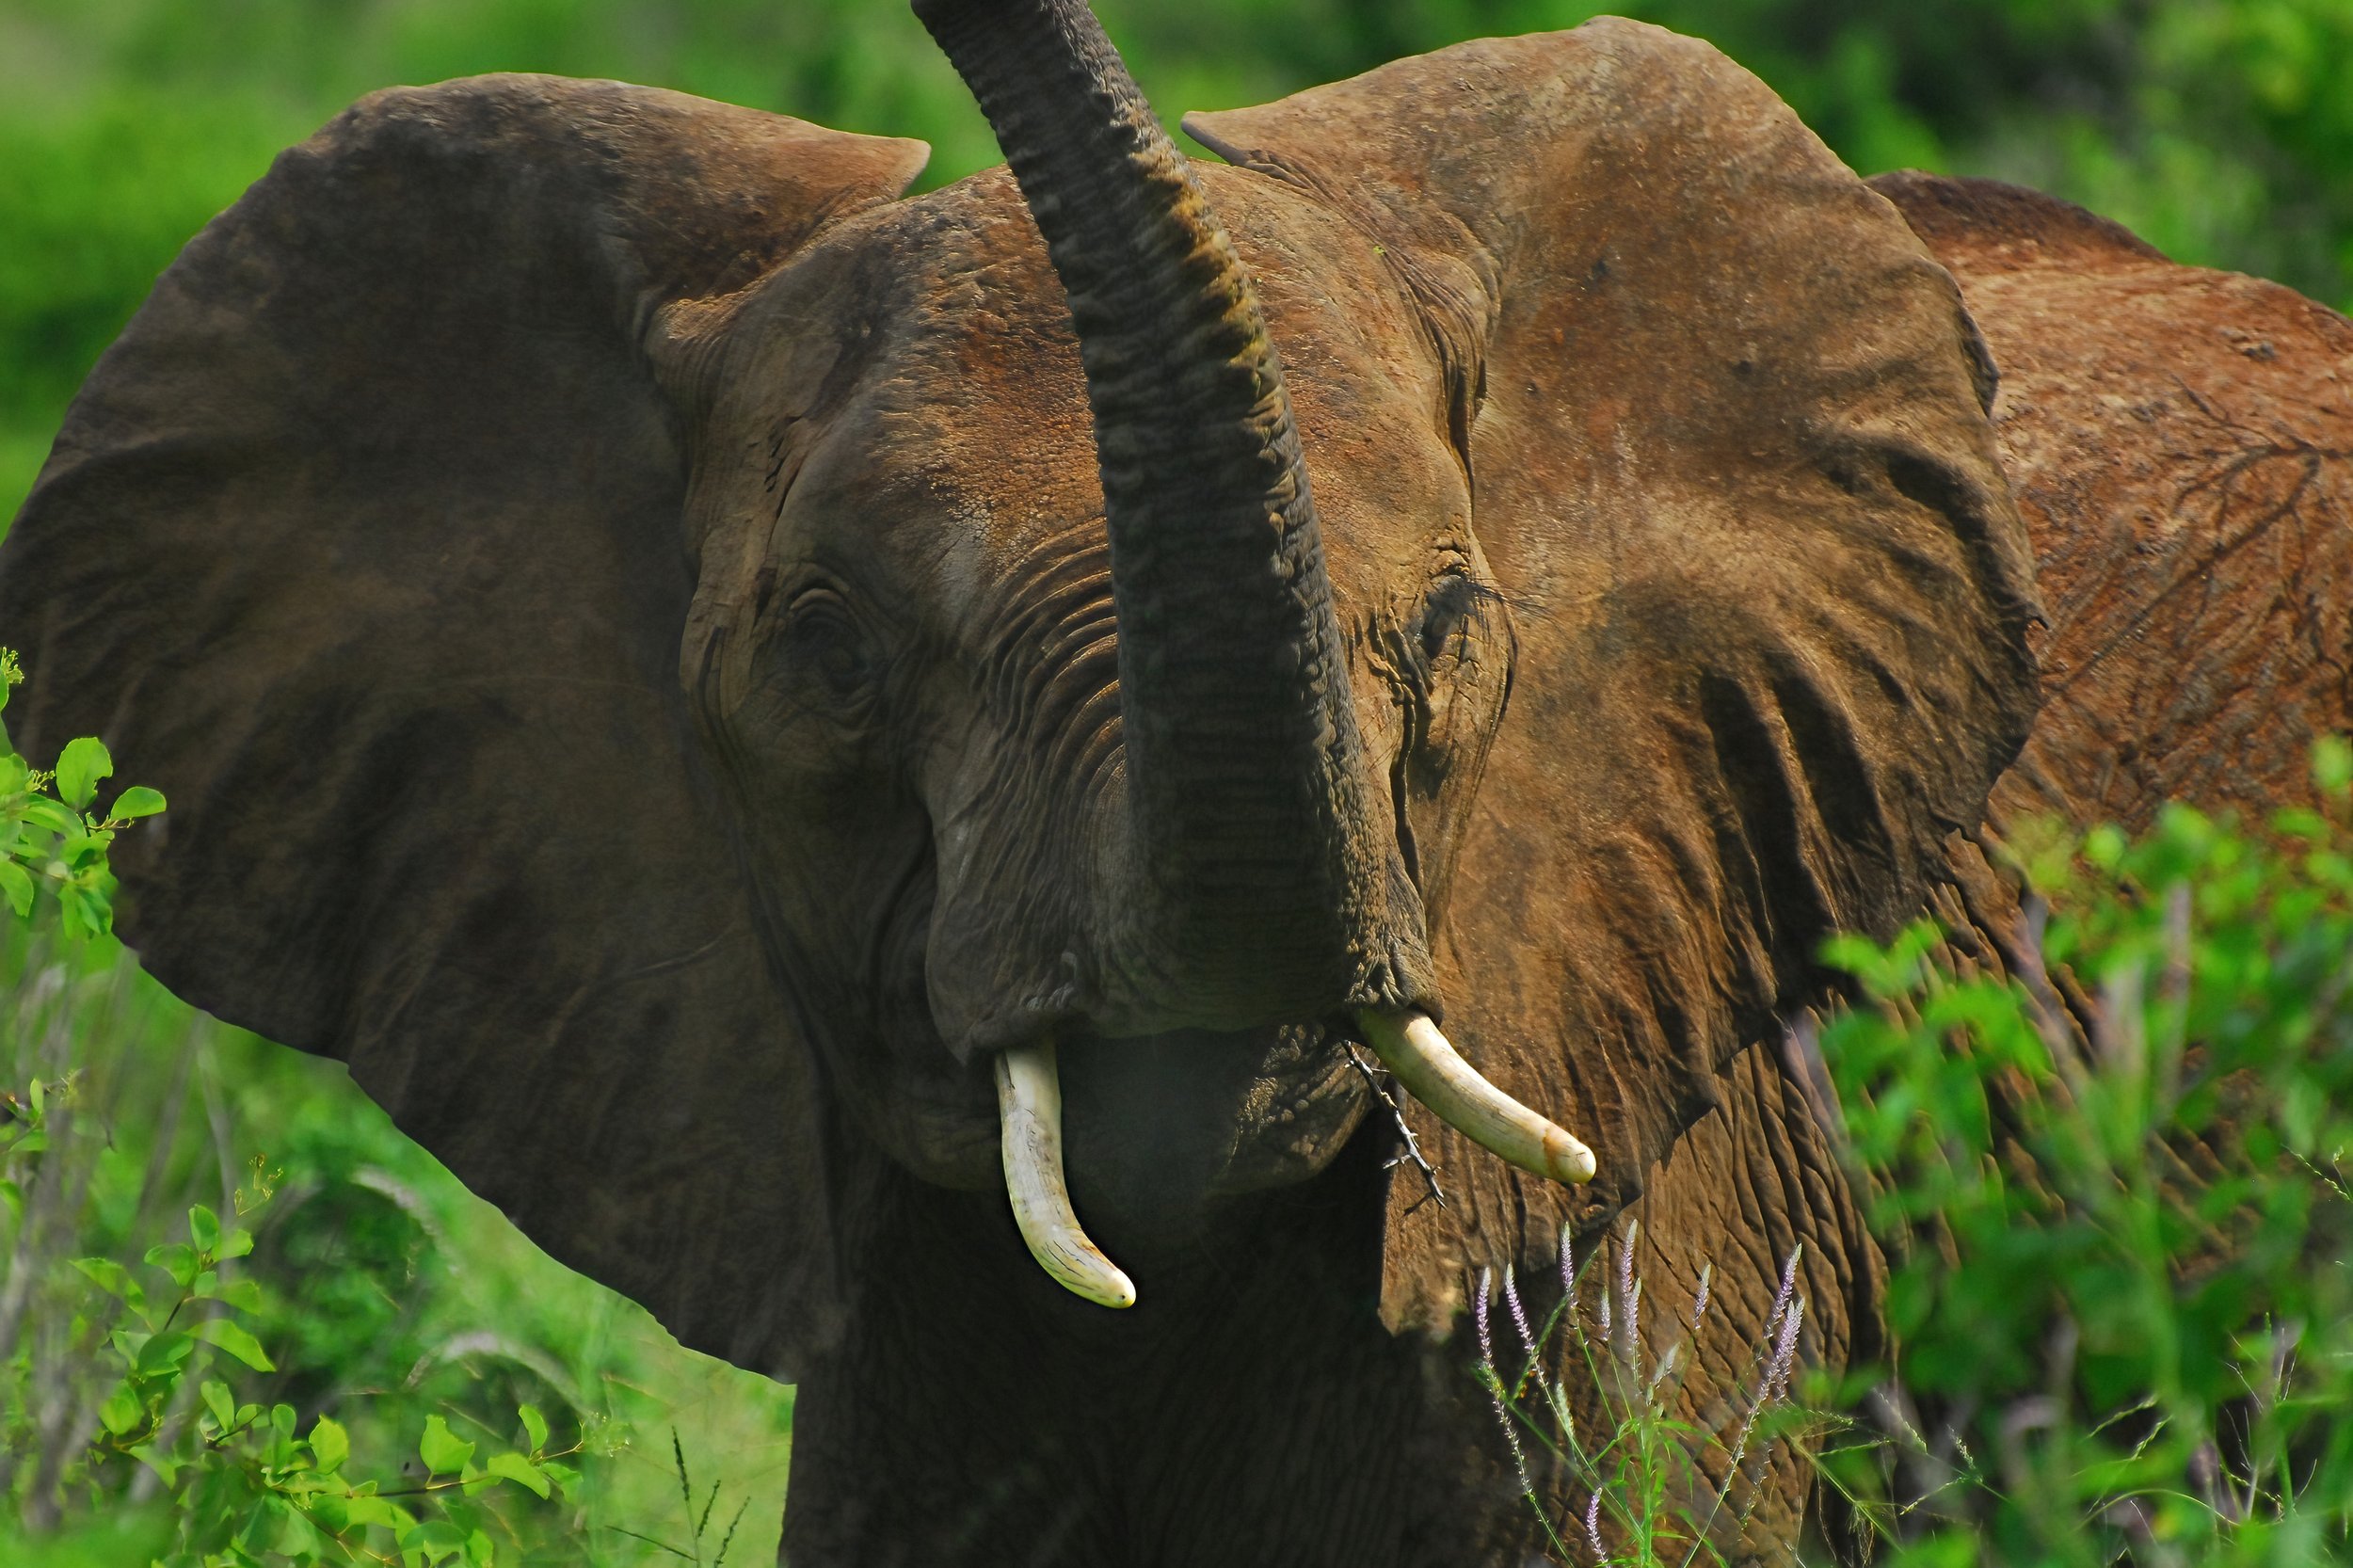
970 430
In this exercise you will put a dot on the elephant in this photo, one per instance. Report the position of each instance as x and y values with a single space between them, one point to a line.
902 778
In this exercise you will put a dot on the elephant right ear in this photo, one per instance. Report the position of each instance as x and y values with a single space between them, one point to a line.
1723 424
364 544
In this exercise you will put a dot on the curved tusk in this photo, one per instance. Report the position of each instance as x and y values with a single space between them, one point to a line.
1028 1114
1409 1045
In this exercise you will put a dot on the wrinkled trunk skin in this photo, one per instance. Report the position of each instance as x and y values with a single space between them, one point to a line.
1254 877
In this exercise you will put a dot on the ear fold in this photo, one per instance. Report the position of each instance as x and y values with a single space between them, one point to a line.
365 545
1729 462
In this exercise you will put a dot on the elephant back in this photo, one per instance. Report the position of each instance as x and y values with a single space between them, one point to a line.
2181 441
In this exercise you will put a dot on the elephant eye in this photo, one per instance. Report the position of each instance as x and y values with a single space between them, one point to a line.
825 647
1447 609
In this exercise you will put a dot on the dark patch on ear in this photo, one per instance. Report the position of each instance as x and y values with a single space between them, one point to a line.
1784 901
1847 799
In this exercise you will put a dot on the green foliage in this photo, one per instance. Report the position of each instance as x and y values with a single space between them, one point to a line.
50 838
243 1490
2123 1290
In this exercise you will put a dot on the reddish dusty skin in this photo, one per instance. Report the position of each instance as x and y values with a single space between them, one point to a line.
2181 444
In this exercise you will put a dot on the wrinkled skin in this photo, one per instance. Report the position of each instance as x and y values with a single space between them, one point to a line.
621 609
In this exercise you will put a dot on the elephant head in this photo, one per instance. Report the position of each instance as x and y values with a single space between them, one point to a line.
691 672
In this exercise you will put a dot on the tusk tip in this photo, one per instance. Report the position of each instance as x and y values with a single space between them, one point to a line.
1570 1162
1118 1292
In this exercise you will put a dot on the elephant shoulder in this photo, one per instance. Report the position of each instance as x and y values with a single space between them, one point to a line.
1980 226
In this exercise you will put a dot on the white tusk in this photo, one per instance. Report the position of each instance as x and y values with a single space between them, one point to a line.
1409 1045
1029 1113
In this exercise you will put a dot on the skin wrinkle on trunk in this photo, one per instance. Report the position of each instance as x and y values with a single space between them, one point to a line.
1254 880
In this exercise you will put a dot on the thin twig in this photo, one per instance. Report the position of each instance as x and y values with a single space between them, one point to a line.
1412 1146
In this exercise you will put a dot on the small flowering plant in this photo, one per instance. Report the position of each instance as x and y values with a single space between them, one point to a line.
1660 1486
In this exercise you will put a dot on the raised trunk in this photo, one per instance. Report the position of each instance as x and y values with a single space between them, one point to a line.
1261 880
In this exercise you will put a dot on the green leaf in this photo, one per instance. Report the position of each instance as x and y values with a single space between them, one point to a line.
110 1276
563 1475
16 883
165 1352
437 1539
515 1467
220 1403
166 1467
85 913
123 1410
367 1509
244 1294
237 1243
330 1446
333 1509
260 1525
80 766
479 1552
443 1454
176 1258
133 802
534 1427
48 815
2332 764
203 1228
226 1333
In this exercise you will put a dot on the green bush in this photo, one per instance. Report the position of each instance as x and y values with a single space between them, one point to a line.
2114 1181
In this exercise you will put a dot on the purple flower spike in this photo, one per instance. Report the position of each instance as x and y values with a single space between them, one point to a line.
1519 1312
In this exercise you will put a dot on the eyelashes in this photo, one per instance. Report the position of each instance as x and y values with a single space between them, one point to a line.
819 657
1455 603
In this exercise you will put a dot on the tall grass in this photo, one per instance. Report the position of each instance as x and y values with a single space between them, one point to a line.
1663 1488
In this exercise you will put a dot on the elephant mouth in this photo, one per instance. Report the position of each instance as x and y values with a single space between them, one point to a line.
1149 1131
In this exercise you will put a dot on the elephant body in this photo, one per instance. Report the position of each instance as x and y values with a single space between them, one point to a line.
675 663
2181 444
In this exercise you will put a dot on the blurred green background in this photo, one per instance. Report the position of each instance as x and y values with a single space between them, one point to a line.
2221 130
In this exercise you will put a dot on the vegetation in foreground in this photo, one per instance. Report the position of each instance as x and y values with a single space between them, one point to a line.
243 1320
2121 1255
2121 1265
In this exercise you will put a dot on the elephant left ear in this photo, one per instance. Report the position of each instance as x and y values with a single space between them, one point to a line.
366 545
1724 424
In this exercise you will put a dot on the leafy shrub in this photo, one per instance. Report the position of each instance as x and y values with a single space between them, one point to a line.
2114 1183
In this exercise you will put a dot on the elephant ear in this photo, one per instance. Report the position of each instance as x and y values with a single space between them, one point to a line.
1725 424
364 544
